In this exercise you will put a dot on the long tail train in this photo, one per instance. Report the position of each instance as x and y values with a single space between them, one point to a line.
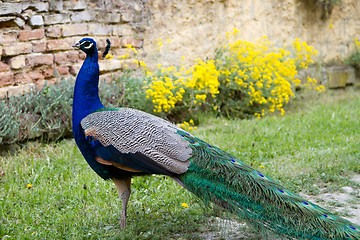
215 175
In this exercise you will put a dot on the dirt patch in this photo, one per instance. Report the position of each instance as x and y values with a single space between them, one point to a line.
346 202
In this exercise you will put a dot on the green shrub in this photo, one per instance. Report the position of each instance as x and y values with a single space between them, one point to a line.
46 113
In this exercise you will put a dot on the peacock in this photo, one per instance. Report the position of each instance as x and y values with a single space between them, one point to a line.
119 143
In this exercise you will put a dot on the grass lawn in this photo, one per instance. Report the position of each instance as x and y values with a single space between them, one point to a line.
312 149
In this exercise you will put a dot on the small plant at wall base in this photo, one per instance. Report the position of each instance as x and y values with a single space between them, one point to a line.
354 58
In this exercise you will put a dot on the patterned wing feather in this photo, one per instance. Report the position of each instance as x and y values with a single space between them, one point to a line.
131 131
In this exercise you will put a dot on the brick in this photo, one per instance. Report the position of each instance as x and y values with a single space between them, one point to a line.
82 55
19 48
73 56
22 78
38 6
74 30
83 16
62 70
47 71
100 29
6 78
61 44
36 75
115 42
56 18
39 46
75 68
8 37
26 35
53 32
4 67
36 20
133 42
40 59
17 62
60 58
10 8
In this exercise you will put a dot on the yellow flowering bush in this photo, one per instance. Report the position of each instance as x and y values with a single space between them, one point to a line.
258 78
245 79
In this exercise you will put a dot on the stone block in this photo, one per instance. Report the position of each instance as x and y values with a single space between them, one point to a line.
38 6
74 30
128 16
337 77
53 32
115 42
123 30
8 37
16 90
36 20
75 5
47 71
39 59
110 17
131 41
100 29
62 70
73 56
60 58
110 65
56 5
22 78
83 16
75 68
36 75
39 46
59 44
57 18
18 48
17 62
19 22
6 78
4 67
10 8
26 35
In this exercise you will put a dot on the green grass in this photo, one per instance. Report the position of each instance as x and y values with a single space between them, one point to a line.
316 145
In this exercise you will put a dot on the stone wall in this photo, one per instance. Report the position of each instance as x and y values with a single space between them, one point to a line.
198 27
36 35
36 38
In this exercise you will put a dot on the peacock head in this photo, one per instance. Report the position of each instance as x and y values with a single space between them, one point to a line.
87 45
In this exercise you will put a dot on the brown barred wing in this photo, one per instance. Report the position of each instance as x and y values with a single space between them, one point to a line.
132 131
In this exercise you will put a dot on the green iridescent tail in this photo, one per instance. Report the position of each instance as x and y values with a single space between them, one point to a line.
215 175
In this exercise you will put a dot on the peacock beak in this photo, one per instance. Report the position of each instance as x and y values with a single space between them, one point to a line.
76 45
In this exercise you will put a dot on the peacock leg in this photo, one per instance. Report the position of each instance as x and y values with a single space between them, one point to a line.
124 190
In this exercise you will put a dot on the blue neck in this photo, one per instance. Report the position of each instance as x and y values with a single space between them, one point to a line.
86 93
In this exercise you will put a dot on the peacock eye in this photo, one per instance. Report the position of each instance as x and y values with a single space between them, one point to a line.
87 44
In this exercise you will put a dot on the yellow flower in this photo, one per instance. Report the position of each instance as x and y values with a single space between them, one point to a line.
185 205
29 185
261 166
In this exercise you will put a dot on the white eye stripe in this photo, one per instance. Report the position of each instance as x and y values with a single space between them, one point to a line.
89 46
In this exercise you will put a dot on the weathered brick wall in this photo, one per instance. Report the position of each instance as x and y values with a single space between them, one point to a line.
36 38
